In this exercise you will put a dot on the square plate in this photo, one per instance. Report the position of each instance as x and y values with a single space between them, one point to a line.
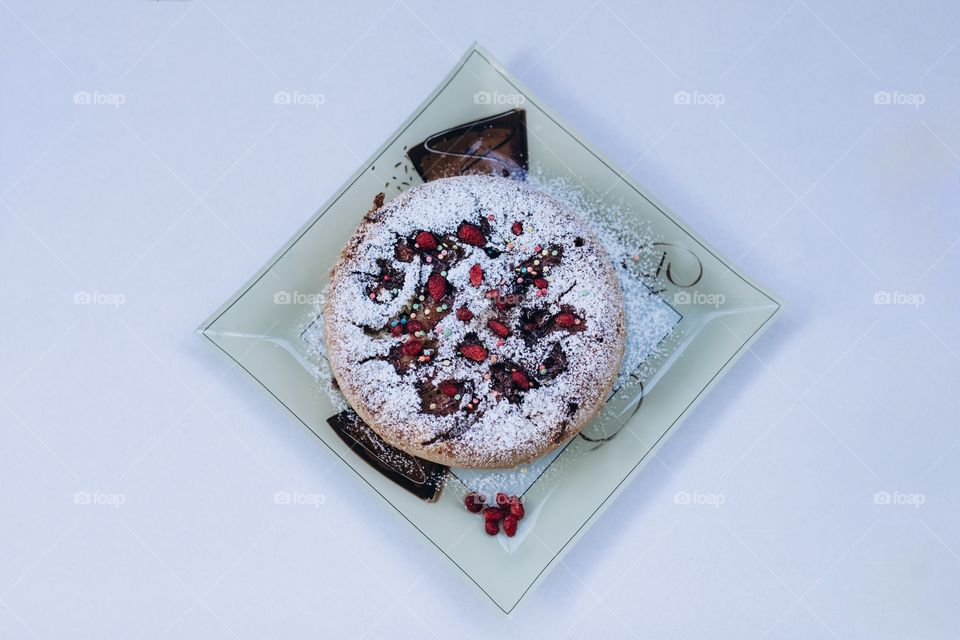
719 313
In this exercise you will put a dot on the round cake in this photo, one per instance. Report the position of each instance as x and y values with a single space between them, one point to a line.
474 321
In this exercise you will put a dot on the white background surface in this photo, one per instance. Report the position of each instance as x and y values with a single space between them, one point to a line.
175 197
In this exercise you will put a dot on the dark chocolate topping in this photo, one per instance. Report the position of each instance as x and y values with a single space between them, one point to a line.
422 478
496 146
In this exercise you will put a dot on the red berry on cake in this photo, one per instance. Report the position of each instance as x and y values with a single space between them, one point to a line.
565 320
475 352
499 328
492 527
436 286
476 275
464 314
449 389
426 240
412 348
520 379
471 234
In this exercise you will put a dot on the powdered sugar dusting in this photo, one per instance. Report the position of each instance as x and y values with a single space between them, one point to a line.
632 248
501 433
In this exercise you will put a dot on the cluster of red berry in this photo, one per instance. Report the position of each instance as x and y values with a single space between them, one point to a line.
508 509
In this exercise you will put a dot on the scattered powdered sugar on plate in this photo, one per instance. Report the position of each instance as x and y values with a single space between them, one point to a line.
632 249
312 336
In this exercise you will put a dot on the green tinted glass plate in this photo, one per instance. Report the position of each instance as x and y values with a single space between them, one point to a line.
719 313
